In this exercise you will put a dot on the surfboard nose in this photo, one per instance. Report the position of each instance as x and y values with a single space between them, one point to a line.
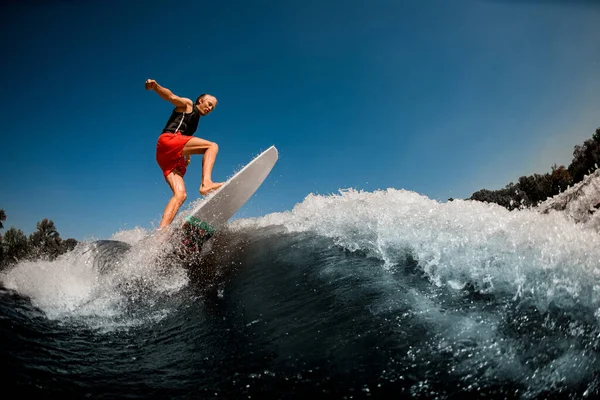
229 198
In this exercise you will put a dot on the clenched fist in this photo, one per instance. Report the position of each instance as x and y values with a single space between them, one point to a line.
150 84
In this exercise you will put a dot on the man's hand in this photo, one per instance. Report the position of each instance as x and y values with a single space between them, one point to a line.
181 102
150 84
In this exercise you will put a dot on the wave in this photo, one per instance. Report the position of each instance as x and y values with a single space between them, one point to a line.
458 244
393 287
523 254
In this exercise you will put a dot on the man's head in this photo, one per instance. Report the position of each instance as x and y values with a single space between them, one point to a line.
206 103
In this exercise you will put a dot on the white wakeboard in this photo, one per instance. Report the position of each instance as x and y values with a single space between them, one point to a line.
223 203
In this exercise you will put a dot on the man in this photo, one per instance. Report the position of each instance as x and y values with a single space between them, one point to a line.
176 144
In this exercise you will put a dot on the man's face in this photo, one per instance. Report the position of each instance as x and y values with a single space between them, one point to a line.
206 104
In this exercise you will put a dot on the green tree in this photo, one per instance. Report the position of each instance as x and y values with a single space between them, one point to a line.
585 158
510 197
16 246
533 189
561 179
2 218
45 241
537 187
68 245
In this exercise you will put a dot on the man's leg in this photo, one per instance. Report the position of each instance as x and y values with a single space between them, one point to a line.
175 181
209 149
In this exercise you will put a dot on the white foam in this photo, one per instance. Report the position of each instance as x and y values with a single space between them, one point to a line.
545 257
72 286
131 236
519 253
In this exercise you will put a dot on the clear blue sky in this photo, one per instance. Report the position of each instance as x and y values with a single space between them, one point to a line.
439 97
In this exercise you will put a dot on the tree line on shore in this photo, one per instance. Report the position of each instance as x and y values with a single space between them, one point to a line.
44 243
529 191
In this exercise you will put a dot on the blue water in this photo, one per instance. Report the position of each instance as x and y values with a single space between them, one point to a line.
355 295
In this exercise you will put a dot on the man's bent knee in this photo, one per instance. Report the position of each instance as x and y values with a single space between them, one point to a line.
180 196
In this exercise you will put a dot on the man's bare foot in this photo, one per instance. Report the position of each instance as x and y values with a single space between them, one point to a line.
206 189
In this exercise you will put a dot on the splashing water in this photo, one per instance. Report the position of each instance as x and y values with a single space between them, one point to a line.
426 295
520 253
99 281
544 257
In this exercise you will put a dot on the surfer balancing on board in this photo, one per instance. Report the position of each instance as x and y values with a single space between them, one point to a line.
176 144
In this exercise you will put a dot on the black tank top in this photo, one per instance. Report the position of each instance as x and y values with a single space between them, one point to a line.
182 122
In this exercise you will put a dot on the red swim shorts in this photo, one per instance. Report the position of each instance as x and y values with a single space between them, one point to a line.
168 152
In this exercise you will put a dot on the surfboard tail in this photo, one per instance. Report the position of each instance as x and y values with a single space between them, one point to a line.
204 227
195 233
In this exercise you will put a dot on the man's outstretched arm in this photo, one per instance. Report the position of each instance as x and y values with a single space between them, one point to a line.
166 94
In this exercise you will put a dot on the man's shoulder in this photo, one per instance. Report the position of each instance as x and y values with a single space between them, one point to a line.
187 108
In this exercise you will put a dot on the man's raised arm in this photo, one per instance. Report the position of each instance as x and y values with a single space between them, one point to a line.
166 94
